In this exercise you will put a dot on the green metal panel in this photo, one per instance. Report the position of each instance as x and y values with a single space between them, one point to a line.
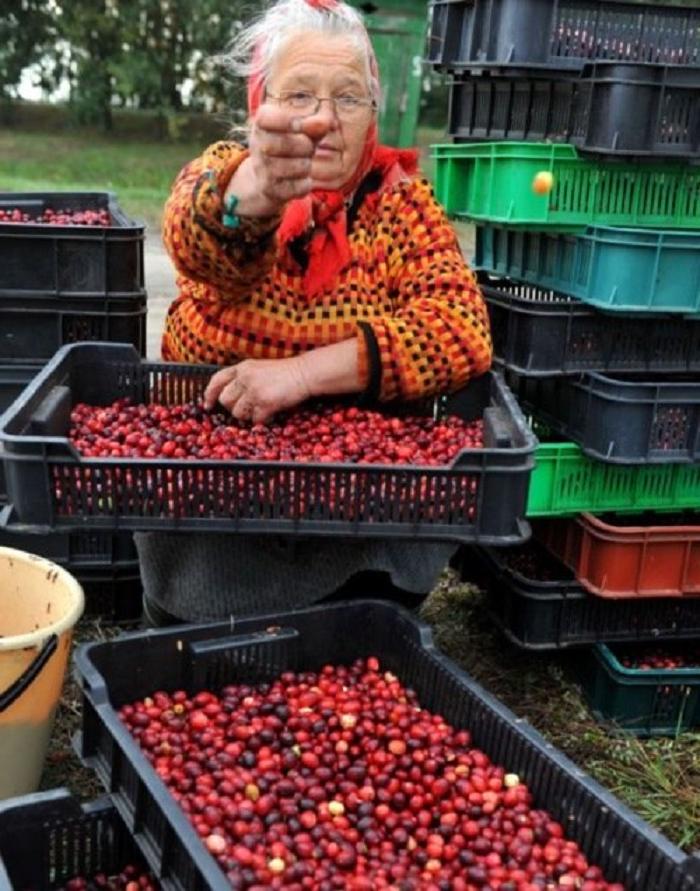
397 30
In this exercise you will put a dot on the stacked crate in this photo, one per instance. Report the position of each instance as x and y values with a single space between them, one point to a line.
71 270
575 126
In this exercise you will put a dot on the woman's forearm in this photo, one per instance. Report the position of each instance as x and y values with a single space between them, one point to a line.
332 369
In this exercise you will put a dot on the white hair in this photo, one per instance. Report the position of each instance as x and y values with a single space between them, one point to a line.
253 50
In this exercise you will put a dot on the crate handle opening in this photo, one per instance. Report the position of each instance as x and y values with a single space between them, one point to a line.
497 431
231 641
52 416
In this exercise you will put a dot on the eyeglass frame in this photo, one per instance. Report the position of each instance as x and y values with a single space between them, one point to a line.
361 103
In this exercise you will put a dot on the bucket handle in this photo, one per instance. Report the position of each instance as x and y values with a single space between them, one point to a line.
17 688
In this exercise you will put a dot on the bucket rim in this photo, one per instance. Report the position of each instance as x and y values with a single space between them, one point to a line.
60 626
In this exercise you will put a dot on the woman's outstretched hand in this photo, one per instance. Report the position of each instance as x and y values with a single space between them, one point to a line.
278 168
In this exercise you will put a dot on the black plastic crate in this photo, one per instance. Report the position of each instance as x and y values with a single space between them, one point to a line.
559 613
78 261
48 838
561 34
259 649
611 109
622 418
87 549
33 327
537 332
480 497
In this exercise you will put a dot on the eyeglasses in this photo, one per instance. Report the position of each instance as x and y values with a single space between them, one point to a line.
306 103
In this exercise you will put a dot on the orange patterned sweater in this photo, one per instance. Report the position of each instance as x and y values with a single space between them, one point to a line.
407 294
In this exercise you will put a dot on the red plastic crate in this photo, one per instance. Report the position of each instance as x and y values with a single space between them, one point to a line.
616 556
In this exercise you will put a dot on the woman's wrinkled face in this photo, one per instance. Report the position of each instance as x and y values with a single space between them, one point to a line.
329 66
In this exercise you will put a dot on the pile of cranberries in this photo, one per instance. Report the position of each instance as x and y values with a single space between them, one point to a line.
57 217
655 658
329 434
340 780
131 878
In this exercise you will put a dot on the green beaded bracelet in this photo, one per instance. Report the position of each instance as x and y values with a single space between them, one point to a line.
230 219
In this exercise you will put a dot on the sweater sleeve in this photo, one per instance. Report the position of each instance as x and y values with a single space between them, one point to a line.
232 261
438 335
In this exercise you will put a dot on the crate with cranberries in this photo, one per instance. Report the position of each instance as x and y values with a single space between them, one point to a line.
102 437
336 748
647 689
71 270
49 842
68 244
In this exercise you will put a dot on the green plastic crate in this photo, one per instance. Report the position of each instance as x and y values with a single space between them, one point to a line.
493 182
631 270
662 702
566 482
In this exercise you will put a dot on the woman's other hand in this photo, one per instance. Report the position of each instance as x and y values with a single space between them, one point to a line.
256 389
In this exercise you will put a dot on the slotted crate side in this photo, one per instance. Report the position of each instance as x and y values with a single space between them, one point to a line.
550 615
47 838
197 657
611 109
642 702
614 556
561 34
481 495
88 549
33 327
541 332
492 182
13 380
70 261
614 269
565 482
619 419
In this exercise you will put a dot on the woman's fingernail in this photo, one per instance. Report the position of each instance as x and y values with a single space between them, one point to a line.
295 125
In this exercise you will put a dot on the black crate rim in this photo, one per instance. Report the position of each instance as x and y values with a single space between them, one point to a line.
205 464
124 223
487 462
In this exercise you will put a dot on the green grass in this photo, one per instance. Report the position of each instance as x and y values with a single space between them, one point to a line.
141 173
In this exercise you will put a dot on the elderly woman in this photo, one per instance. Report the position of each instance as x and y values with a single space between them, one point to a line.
313 262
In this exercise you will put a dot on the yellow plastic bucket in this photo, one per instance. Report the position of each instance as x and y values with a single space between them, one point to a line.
39 605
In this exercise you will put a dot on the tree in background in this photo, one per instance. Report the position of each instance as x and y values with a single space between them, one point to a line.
148 54
28 32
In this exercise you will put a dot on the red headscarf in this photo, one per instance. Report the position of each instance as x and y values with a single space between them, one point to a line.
329 251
